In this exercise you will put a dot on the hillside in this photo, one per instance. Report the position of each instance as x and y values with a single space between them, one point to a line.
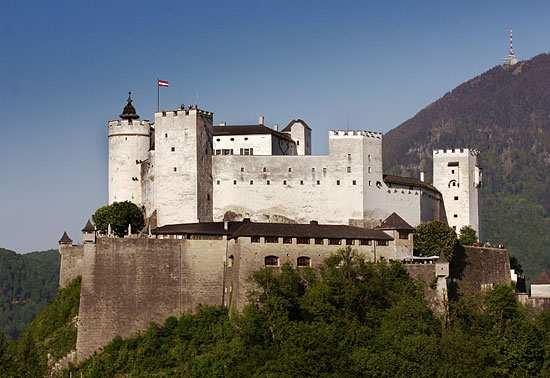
505 114
28 282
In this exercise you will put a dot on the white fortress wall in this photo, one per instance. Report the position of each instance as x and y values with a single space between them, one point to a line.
128 145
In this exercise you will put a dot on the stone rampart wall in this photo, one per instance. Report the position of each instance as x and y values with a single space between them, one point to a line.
71 263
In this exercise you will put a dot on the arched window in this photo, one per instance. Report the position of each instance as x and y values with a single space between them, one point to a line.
303 261
452 183
271 261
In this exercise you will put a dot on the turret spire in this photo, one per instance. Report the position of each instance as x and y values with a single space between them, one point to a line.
129 111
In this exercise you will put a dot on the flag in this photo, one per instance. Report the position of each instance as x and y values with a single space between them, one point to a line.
163 83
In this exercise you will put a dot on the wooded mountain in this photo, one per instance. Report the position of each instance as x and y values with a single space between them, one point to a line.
28 282
505 114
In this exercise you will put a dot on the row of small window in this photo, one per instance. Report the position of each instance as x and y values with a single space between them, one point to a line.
264 169
229 151
302 261
285 182
231 139
318 241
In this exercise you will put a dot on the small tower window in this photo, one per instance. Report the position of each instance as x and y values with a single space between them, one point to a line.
290 169
301 182
268 182
175 169
251 182
173 149
368 157
166 135
349 156
217 182
312 169
284 182
349 169
337 182
232 139
242 169
318 182
271 261
455 215
245 138
354 182
217 139
265 169
368 170
456 198
234 182
303 261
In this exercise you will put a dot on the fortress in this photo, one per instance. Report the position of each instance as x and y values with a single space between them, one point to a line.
182 169
224 201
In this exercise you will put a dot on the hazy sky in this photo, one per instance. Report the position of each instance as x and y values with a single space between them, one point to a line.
66 68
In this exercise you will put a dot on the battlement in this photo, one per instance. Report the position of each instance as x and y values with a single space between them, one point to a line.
353 133
184 111
129 127
455 152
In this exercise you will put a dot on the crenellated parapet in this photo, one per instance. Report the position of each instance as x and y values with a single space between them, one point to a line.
352 133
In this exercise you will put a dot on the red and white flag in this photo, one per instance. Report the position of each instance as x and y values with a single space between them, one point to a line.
163 83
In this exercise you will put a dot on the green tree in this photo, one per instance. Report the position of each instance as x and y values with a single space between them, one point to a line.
467 236
435 239
119 215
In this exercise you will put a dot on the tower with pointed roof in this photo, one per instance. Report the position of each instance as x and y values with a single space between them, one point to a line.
129 143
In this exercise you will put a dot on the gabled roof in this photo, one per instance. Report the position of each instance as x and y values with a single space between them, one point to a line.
408 181
297 230
89 227
289 126
65 239
542 279
248 130
395 222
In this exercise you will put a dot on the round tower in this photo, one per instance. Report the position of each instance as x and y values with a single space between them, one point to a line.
129 140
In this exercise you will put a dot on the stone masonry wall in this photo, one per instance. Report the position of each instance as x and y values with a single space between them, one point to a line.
71 263
128 283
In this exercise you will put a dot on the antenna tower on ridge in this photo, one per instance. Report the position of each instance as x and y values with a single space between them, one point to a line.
511 59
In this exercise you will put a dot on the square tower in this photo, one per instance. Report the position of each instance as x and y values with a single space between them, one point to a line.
183 166
457 176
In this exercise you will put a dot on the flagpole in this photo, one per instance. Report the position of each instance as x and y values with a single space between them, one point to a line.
158 96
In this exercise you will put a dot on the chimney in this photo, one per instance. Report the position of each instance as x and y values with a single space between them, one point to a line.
261 120
222 124
422 176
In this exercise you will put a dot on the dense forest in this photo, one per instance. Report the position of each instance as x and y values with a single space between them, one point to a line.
350 318
28 282
505 114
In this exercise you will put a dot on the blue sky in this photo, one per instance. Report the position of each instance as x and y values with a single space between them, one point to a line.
66 68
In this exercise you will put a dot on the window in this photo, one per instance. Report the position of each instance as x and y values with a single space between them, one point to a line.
264 169
271 239
217 182
452 183
251 151
354 182
368 156
318 182
333 241
242 169
348 169
365 242
303 261
349 156
368 170
234 182
166 135
403 235
290 169
301 182
232 139
382 242
312 169
268 182
369 183
302 240
287 240
218 152
337 182
226 151
173 149
271 261
175 169
324 170
456 198
245 138
246 151
453 164
455 215
349 241
297 142
319 241
217 139
255 239
230 261
284 182
251 182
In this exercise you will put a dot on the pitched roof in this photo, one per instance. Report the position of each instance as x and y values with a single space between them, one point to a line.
542 279
394 222
65 239
289 126
89 227
248 130
297 230
408 181
129 112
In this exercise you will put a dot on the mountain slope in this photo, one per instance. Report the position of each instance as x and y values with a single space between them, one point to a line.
27 283
505 114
